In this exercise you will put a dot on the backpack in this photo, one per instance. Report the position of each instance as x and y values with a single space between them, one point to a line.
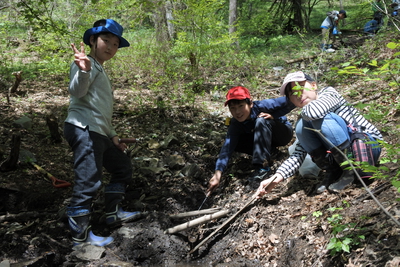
331 14
361 151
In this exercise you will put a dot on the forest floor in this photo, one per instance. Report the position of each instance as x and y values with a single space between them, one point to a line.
172 165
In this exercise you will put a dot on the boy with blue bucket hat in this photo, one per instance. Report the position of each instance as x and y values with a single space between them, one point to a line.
89 131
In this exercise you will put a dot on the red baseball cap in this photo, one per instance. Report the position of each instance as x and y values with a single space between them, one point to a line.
237 93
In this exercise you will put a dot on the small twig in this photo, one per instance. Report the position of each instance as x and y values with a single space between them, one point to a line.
23 216
54 241
358 176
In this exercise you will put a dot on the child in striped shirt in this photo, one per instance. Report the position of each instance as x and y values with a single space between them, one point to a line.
328 112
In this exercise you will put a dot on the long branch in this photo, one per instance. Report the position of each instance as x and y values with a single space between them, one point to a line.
196 222
194 213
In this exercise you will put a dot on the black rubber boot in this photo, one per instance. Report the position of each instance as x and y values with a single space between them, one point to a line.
79 224
332 170
331 176
347 176
115 215
321 157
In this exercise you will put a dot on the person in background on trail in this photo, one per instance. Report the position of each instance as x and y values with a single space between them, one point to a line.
330 29
371 27
257 128
328 112
396 7
378 9
89 131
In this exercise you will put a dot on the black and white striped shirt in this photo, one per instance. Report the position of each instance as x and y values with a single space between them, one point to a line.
329 100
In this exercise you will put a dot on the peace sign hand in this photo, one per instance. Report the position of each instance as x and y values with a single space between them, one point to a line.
81 59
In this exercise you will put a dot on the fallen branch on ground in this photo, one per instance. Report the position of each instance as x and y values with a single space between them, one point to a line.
194 213
23 216
300 59
197 221
253 198
55 241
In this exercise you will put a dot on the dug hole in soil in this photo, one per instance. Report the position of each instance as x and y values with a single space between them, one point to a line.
173 162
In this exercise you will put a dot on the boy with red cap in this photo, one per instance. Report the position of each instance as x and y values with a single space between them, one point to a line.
89 131
257 128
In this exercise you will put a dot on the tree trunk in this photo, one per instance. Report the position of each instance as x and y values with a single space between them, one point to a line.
169 18
160 24
233 18
298 14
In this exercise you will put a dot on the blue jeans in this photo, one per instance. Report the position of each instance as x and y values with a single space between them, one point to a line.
332 126
92 151
266 136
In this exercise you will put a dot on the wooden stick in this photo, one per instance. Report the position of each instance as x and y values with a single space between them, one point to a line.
23 216
196 222
300 59
194 213
55 241
253 198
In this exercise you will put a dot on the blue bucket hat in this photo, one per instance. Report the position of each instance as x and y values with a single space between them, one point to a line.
110 26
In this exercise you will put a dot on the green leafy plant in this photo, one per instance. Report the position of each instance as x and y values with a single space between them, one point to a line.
317 214
344 235
385 70
297 90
